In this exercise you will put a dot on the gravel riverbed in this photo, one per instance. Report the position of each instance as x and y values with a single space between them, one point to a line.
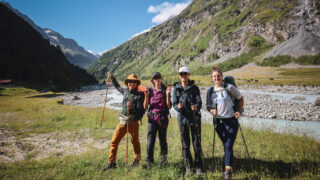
295 103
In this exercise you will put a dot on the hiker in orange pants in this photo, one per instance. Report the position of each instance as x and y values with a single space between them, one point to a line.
132 112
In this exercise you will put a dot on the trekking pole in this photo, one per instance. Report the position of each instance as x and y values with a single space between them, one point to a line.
244 141
214 119
105 101
181 138
201 153
214 138
128 113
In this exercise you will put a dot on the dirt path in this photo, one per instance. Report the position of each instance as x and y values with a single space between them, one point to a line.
39 146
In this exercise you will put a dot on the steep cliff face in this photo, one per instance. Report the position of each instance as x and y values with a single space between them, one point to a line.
210 32
304 31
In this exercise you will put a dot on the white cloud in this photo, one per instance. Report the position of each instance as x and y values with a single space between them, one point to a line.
166 11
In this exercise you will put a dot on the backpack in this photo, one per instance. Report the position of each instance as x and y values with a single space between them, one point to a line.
226 81
141 90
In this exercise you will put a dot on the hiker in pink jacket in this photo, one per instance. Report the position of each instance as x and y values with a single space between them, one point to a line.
158 99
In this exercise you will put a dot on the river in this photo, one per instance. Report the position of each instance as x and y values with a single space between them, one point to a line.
95 98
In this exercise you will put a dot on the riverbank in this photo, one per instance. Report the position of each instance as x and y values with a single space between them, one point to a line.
294 103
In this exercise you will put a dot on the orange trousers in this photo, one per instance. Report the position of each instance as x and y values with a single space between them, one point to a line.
120 132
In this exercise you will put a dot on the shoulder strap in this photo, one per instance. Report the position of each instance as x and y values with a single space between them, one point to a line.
226 87
211 89
234 100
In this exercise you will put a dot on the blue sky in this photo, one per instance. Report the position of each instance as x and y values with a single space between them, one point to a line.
99 25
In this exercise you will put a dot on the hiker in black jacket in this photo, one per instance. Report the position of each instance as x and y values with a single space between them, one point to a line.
187 102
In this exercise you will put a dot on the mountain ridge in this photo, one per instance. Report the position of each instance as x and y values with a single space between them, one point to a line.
28 58
207 32
76 54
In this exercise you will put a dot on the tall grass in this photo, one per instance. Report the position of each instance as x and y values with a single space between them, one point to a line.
274 156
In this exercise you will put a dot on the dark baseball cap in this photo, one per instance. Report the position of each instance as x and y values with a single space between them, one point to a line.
156 74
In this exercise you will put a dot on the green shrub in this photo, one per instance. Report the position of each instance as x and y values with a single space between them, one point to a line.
281 60
276 61
308 60
256 41
243 59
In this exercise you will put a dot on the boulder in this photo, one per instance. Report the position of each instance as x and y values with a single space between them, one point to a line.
317 103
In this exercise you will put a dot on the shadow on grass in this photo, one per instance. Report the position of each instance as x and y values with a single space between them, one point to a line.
278 169
1 89
46 96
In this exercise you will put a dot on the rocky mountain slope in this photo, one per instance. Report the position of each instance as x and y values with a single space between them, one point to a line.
213 31
76 54
28 58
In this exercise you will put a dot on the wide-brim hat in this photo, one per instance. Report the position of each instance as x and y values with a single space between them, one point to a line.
133 77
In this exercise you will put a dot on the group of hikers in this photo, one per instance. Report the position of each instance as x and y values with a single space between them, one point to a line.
186 100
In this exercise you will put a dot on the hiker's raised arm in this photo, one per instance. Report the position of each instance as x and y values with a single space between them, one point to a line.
116 84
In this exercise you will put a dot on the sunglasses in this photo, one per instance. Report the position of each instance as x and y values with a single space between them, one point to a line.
183 74
132 81
157 77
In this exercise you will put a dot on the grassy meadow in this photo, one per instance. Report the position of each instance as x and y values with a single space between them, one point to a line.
25 112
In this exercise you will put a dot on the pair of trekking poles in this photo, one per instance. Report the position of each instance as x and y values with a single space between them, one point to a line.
105 101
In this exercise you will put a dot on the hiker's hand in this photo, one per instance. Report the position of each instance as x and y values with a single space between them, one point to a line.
110 75
129 105
237 115
180 106
194 107
213 112
146 92
168 91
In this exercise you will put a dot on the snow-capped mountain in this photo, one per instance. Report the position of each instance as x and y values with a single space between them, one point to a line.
95 53
76 54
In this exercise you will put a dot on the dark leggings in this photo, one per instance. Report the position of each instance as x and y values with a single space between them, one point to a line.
153 128
227 130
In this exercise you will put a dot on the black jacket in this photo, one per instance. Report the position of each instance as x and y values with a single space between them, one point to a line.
188 96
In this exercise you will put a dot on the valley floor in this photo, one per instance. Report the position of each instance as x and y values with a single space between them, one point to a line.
43 139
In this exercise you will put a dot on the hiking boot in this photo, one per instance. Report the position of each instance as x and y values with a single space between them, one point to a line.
110 165
163 159
148 165
228 174
188 171
135 163
199 172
